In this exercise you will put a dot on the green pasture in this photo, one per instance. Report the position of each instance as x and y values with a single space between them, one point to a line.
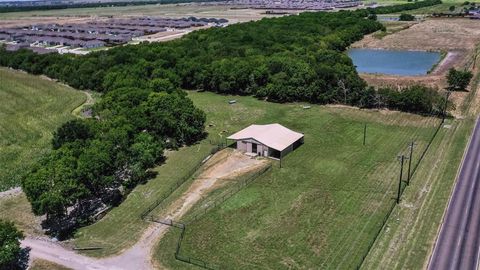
323 208
31 108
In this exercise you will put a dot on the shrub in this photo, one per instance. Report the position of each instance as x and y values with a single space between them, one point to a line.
406 17
458 80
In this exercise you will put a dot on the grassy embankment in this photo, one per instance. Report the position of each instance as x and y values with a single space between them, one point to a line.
409 234
323 207
31 109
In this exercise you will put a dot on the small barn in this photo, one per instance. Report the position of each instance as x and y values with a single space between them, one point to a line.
272 140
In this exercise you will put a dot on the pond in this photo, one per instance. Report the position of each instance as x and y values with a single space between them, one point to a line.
403 63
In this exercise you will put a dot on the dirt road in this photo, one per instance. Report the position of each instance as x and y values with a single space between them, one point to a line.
223 165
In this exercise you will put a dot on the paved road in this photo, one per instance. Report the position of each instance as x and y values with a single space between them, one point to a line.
458 244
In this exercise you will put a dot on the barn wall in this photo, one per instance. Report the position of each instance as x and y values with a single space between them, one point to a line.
263 150
241 146
246 146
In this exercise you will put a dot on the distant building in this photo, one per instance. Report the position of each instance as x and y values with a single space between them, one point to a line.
273 140
93 44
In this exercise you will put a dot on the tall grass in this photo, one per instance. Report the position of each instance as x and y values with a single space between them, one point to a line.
31 108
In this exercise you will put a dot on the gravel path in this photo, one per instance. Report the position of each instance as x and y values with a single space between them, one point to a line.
10 192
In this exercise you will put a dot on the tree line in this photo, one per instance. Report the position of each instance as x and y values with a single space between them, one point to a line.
403 7
292 58
95 162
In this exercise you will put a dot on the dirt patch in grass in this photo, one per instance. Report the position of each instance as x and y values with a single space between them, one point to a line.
226 164
15 207
391 28
430 35
46 265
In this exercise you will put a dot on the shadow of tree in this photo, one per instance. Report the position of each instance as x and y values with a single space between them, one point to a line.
23 258
18 263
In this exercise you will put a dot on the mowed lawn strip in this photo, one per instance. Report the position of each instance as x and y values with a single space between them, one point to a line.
323 208
415 223
31 109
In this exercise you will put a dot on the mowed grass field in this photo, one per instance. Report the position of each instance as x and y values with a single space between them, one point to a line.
409 235
323 208
31 108
332 170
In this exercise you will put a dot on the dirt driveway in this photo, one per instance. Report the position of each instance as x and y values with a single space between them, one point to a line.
226 164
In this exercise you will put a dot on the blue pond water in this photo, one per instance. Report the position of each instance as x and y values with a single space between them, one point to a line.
404 63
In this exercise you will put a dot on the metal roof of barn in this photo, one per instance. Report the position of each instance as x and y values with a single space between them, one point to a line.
274 136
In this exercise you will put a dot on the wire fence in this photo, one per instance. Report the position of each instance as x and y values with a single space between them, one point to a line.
178 183
226 194
214 203
182 227
403 186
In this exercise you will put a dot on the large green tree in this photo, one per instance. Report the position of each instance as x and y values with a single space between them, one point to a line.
9 245
458 80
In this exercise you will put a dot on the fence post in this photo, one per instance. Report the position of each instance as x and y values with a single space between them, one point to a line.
364 133
402 157
410 162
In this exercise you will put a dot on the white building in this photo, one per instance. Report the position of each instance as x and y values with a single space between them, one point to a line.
273 140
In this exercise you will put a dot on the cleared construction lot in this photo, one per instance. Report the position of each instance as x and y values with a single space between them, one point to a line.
171 10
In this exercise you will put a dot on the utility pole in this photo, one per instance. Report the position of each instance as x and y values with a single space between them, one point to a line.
402 157
364 133
410 162
446 104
